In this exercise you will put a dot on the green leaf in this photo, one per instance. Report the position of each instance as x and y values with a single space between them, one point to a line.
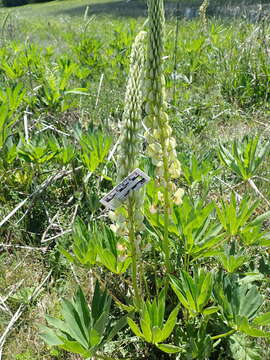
169 349
75 347
122 322
242 349
67 254
135 328
57 323
205 289
177 288
156 335
94 337
82 308
49 336
169 325
262 320
146 329
73 321
244 326
210 310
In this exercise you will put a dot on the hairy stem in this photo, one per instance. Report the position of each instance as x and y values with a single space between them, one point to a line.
132 240
231 332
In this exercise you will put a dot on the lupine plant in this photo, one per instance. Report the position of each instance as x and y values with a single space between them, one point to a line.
178 257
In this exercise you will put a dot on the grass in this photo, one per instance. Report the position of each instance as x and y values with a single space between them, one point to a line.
218 90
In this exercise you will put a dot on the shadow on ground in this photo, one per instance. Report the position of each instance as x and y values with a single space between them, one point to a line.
138 8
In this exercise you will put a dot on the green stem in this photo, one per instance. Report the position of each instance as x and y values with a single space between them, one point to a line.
167 206
231 332
132 239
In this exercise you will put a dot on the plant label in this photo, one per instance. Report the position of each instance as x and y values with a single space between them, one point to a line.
134 181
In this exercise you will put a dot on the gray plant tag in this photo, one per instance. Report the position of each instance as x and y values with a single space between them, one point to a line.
134 181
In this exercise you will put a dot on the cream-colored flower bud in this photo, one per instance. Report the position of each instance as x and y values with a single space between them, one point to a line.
178 196
129 148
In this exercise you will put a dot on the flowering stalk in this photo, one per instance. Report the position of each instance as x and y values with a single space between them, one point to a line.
161 144
202 12
129 221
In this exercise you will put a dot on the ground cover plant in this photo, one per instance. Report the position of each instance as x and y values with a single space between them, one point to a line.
181 269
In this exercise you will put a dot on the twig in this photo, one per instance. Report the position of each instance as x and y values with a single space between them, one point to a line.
25 124
86 13
13 320
14 211
4 307
13 290
19 312
99 88
257 191
261 178
74 214
44 240
52 128
49 226
2 245
37 290
4 23
38 191
58 235
74 274
238 196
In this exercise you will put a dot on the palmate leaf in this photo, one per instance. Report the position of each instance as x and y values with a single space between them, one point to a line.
101 302
245 157
84 247
236 299
82 330
234 216
169 326
244 326
75 347
232 262
151 327
49 336
56 323
95 148
6 122
195 227
110 254
193 292
181 294
242 349
73 323
203 294
81 306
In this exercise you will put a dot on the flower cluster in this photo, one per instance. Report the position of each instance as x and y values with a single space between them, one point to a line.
161 143
130 143
202 12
